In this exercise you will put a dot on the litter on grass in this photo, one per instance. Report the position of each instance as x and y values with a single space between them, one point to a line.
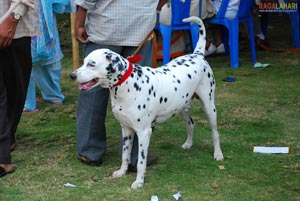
69 185
221 167
154 198
271 150
177 196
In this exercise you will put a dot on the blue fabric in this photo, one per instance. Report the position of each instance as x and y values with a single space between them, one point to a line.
47 55
45 47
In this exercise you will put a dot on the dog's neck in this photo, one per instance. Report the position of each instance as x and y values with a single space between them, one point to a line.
126 75
130 59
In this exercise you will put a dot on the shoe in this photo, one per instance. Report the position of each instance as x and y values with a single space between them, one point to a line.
26 111
87 161
41 100
7 169
150 161
220 49
210 49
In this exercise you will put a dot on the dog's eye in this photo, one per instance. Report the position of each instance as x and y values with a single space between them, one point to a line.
91 64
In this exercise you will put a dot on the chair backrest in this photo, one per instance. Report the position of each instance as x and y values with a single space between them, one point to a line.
180 10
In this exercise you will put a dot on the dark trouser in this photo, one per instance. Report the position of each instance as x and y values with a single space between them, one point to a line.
92 107
15 68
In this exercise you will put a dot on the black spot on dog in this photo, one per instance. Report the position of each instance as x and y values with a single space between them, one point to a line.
189 76
191 120
143 154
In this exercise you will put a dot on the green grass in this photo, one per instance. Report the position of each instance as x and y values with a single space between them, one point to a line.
261 108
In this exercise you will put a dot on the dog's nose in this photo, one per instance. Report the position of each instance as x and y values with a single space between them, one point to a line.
73 76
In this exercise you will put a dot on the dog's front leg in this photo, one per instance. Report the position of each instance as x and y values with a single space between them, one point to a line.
127 135
144 141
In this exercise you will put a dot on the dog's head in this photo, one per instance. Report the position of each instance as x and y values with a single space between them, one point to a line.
101 67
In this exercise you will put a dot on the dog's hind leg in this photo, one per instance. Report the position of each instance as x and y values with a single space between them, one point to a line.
189 123
127 135
205 92
144 141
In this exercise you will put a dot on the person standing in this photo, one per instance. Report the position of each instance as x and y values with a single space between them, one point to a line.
120 26
46 57
15 66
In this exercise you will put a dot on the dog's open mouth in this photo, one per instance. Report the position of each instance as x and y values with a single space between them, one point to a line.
88 85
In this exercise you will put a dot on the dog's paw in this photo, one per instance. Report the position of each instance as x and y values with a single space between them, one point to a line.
186 146
118 173
137 184
218 156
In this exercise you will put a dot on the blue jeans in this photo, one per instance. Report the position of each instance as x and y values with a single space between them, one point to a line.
92 107
47 78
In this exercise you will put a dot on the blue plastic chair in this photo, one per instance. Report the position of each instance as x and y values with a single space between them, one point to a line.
244 15
180 10
295 26
294 17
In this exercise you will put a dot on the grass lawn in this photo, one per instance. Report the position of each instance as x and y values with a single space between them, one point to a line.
262 108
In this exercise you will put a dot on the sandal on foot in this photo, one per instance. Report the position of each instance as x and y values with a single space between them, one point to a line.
4 172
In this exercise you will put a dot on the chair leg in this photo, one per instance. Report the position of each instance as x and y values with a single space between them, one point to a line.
195 35
295 29
166 42
252 39
234 40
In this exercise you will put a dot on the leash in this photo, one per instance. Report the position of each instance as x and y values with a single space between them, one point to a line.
151 33
29 3
136 58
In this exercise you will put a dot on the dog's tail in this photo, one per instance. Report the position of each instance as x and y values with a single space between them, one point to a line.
200 47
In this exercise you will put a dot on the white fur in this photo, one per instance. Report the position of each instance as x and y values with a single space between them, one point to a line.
151 96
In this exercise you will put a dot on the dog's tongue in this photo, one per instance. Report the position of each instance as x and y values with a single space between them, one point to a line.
87 85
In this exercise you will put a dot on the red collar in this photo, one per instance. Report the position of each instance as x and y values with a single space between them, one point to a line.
131 59
126 75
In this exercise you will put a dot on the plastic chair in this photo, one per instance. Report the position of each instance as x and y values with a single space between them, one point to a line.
294 17
180 10
244 15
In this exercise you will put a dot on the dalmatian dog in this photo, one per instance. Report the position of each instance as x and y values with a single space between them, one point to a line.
142 97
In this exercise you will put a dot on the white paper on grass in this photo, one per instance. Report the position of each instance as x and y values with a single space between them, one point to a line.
154 198
271 150
69 185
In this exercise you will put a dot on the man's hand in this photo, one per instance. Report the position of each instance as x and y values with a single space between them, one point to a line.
7 31
81 35
80 31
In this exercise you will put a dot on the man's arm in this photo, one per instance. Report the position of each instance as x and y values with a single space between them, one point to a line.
80 31
9 25
160 4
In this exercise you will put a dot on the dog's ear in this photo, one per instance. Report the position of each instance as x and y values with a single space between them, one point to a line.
116 62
